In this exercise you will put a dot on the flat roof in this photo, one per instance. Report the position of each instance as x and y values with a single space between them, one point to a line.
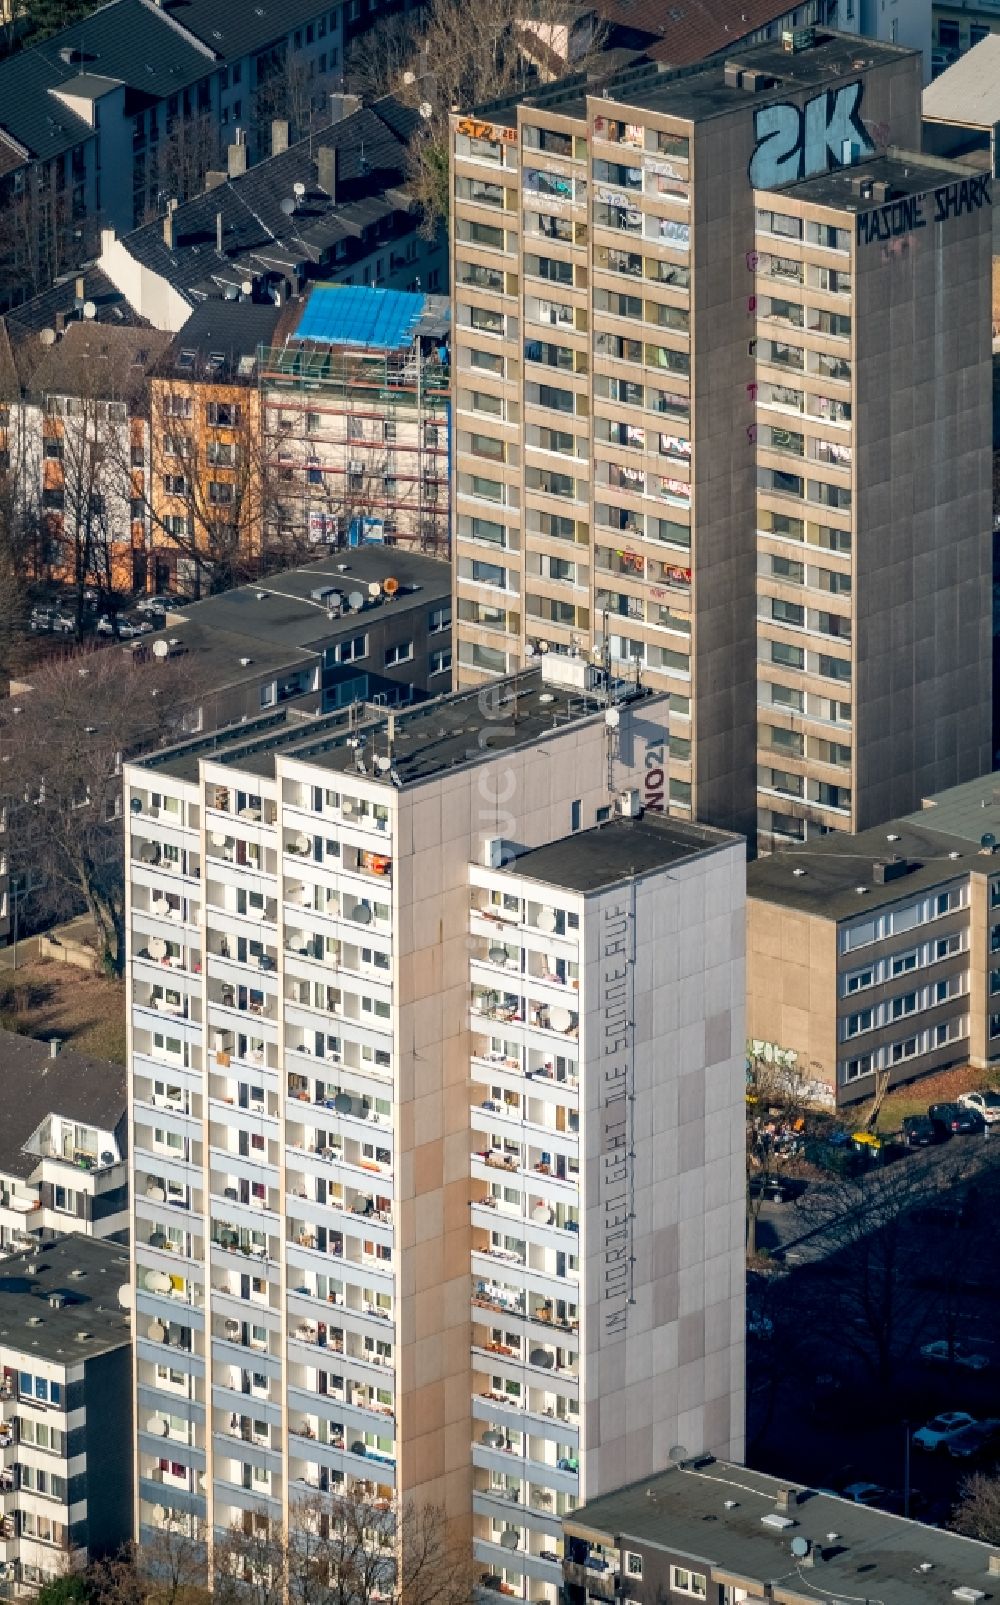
88 1272
970 811
968 92
694 95
278 624
443 733
903 172
835 866
618 850
873 1555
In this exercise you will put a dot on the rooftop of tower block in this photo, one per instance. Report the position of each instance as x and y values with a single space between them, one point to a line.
425 740
695 94
894 176
619 850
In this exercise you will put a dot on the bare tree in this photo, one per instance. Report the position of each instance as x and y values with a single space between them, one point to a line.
62 743
288 87
351 1549
214 501
169 1568
39 238
977 1514
190 150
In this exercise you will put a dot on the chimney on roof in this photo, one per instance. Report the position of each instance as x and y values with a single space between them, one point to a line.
279 135
213 178
236 156
55 1043
326 170
81 293
342 106
169 235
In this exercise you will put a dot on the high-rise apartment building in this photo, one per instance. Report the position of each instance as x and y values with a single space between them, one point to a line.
437 1152
723 413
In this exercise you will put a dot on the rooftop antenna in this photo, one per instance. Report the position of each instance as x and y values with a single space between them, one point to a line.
390 737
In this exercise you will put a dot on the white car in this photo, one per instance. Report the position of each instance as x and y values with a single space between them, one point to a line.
938 1433
986 1104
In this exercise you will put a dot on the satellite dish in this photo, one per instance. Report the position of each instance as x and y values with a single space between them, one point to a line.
48 337
161 649
288 206
159 1426
800 1548
157 948
542 1214
247 287
543 646
509 1538
302 842
217 838
125 1296
544 1358
530 649
677 1453
426 110
157 1331
390 586
546 919
89 310
374 590
561 1019
382 763
612 718
987 839
362 913
158 1281
343 1103
356 601
298 189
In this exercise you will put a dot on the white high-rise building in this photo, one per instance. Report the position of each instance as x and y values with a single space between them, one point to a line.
436 1102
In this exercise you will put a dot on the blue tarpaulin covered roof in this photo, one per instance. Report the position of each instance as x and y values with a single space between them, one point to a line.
356 315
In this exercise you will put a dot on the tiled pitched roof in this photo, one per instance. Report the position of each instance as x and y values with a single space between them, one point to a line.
234 28
35 1085
257 234
127 40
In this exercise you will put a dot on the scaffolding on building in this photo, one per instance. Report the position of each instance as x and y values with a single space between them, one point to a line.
385 475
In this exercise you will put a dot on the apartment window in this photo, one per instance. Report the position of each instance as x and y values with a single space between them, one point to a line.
440 662
854 1069
903 963
683 1581
174 484
439 619
789 657
64 1199
222 414
903 1005
787 612
177 406
575 814
633 1563
861 979
856 1023
402 652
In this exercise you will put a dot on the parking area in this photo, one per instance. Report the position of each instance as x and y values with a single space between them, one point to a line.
877 1310
53 612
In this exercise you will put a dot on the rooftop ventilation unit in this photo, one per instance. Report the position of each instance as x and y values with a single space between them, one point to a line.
575 674
777 1522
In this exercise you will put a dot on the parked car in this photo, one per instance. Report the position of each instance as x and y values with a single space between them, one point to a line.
955 1117
921 1132
106 625
160 604
938 1354
41 619
937 1434
985 1103
773 1189
865 1493
974 1440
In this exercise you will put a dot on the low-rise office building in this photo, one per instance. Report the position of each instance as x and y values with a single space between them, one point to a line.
707 1530
875 957
63 1162
65 1410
